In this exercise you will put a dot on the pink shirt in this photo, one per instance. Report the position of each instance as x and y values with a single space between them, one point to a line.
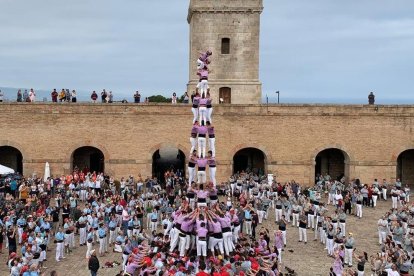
215 226
202 163
194 130
202 130
202 194
203 101
203 74
202 232
198 223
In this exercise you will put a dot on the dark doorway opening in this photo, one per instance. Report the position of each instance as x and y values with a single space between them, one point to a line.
333 162
12 158
89 159
249 159
405 167
168 160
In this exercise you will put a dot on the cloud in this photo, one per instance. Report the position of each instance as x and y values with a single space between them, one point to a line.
317 48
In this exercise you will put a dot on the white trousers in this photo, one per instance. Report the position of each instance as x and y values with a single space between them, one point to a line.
394 202
212 174
82 235
284 237
279 254
103 246
348 256
295 219
359 210
174 238
20 233
59 251
342 226
302 234
278 214
201 146
212 146
193 142
311 221
182 245
124 260
201 177
209 112
236 231
202 113
374 200
213 242
228 243
111 237
322 235
261 215
384 193
248 227
201 248
67 239
195 114
382 237
202 87
88 249
330 246
153 225
191 174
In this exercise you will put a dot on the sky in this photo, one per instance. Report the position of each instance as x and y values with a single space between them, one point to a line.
311 51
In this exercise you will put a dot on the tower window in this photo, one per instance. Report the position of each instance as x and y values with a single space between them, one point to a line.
225 95
225 45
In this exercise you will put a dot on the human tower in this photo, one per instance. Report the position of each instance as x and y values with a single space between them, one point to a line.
202 130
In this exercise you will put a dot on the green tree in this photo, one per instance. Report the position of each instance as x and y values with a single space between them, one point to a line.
159 99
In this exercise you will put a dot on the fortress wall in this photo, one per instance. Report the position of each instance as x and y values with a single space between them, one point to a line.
289 135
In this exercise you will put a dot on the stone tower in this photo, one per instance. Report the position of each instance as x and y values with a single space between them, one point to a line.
231 30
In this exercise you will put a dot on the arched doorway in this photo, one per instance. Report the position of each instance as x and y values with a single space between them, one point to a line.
332 161
88 159
167 159
249 159
12 158
405 167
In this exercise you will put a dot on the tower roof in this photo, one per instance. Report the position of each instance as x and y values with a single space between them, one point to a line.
224 6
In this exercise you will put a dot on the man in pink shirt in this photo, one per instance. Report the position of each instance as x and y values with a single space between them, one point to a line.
202 197
202 109
203 60
202 133
202 240
202 86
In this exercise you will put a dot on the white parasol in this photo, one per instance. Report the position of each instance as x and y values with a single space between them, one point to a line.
47 172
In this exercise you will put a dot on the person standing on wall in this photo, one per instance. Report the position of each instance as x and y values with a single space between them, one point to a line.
54 95
73 95
137 97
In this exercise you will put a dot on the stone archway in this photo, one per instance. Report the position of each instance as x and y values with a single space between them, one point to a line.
88 158
405 167
168 159
333 162
251 159
11 157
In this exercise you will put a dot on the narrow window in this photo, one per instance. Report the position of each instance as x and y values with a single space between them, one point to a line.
225 46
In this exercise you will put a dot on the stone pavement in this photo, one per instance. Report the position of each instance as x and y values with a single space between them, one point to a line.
309 259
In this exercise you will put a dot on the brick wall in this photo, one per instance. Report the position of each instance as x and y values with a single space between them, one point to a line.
290 136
